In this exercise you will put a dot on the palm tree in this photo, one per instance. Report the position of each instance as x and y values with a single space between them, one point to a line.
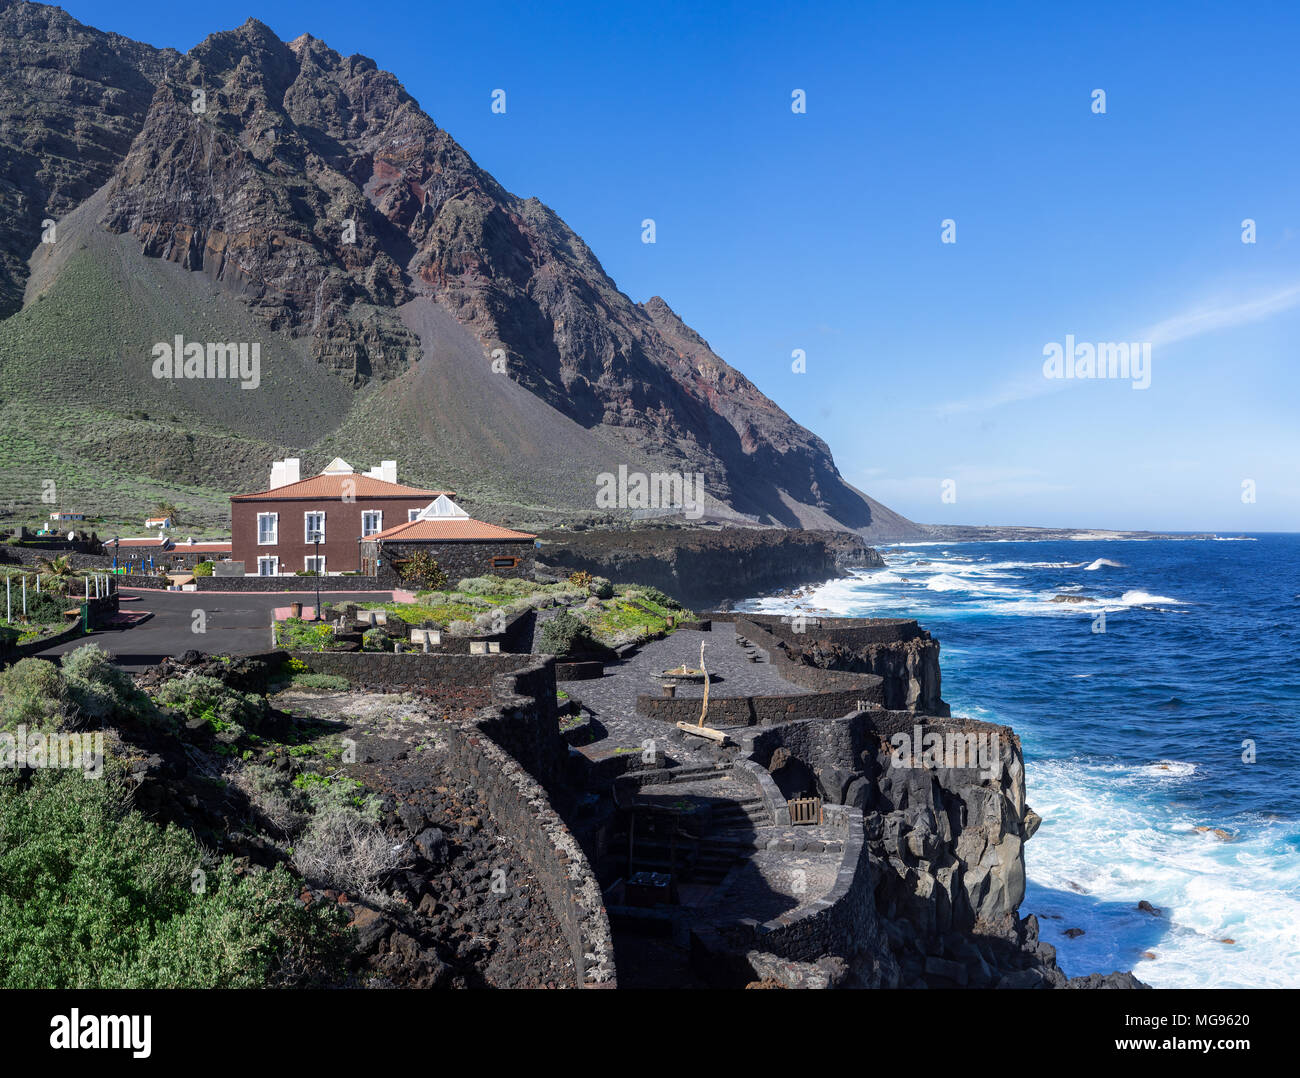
167 509
59 570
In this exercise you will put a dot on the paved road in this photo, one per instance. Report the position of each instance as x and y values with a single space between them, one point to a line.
235 623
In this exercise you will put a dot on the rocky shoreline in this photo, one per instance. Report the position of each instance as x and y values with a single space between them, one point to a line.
703 567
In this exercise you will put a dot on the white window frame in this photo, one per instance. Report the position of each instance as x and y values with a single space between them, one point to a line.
275 565
306 524
371 513
275 530
308 564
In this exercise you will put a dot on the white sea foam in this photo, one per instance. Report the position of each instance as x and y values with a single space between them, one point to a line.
1102 563
1122 847
1138 597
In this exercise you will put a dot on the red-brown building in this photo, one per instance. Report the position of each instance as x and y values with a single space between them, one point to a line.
272 530
461 545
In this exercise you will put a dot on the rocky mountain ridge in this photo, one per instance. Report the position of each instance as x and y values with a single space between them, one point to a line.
313 187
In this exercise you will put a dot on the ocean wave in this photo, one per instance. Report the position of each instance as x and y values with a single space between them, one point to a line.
1137 597
1102 563
1106 845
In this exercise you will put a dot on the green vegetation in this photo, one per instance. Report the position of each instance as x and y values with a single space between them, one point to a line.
32 692
320 682
228 712
428 608
203 568
421 570
86 687
295 634
565 634
93 895
375 639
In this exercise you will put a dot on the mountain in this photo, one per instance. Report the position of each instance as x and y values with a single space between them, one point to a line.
405 304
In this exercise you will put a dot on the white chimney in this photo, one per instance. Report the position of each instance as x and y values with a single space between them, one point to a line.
292 469
277 474
388 471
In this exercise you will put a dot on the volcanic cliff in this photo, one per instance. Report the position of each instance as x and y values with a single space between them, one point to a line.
311 189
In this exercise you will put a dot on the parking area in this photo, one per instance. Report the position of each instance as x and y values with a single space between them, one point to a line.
235 623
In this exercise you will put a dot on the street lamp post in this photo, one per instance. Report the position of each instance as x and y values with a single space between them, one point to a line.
315 538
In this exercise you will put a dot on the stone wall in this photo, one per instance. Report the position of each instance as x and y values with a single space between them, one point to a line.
761 710
511 753
949 839
526 720
306 585
843 921
460 560
520 805
382 671
851 632
898 651
75 553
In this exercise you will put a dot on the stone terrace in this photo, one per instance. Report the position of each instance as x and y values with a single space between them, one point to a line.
612 698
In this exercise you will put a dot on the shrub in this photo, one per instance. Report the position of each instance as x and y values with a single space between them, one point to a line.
203 568
32 692
227 711
342 848
659 598
422 570
47 606
461 628
93 895
269 791
376 639
321 682
99 689
564 634
601 588
580 579
496 585
299 635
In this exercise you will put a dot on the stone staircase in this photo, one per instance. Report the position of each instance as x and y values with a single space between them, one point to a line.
695 822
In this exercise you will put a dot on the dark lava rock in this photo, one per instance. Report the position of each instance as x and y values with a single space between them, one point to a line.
432 844
1107 980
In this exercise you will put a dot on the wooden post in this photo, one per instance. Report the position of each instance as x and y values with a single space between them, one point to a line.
704 707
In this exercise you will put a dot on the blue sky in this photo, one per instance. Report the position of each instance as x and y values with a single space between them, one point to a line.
821 231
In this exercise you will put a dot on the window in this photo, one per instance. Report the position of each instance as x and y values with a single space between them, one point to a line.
268 529
504 563
312 563
372 520
268 566
411 514
311 523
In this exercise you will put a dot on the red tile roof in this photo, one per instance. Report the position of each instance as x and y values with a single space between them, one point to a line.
331 486
448 529
200 547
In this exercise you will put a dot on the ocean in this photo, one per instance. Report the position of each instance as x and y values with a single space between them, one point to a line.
1179 720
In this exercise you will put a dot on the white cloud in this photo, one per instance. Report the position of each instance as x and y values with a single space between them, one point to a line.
1209 317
